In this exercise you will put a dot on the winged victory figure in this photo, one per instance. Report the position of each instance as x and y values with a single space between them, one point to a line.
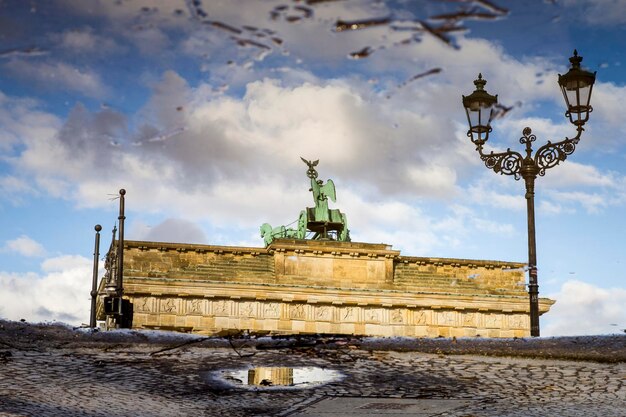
321 192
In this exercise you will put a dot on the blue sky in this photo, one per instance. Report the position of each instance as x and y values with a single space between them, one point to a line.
202 109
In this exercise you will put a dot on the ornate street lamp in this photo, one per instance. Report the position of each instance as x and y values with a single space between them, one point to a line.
576 86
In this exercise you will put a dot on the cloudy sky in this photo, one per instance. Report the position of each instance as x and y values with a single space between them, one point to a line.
201 110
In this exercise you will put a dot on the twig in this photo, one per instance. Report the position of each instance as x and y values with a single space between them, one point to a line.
232 345
189 342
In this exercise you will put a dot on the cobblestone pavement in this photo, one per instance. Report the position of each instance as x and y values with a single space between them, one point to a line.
171 379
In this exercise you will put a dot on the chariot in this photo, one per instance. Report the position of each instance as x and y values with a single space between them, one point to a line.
322 222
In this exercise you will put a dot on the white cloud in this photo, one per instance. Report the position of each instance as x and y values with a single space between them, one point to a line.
574 174
493 227
591 202
585 309
262 135
79 40
14 189
60 292
59 75
434 180
85 40
21 120
25 246
587 189
551 208
605 132
149 41
499 191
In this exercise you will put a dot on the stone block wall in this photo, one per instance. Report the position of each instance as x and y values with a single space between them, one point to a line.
297 286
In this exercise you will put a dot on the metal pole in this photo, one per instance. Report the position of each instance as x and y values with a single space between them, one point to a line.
533 286
94 284
112 275
120 251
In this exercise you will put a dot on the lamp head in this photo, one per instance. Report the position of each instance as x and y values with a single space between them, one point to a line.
479 109
576 86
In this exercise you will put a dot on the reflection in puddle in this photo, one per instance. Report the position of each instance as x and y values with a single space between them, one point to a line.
279 377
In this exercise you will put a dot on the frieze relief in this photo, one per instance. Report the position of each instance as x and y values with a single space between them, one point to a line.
517 321
144 304
221 307
349 314
167 305
271 310
493 321
247 309
195 306
296 311
372 315
323 313
420 317
469 320
397 317
446 318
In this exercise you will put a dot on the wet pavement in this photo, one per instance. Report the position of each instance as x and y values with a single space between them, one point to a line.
57 371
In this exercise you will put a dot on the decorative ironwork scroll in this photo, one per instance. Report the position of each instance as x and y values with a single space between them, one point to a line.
551 154
505 163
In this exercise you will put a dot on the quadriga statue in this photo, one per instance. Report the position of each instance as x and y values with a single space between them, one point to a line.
320 221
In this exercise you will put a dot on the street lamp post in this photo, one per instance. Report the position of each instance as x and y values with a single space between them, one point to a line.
94 281
576 86
120 252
